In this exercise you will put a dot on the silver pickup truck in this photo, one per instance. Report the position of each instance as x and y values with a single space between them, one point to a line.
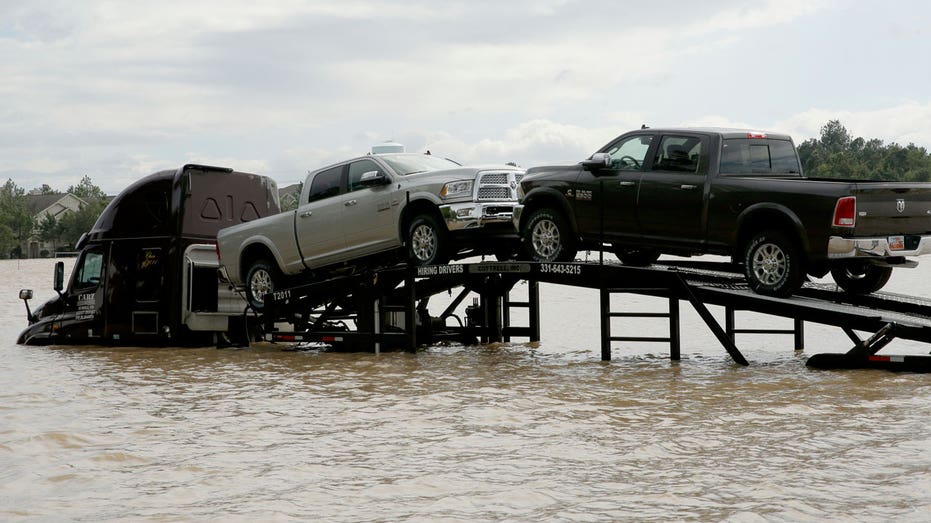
369 206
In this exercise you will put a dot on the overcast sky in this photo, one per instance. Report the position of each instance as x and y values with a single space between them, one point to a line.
115 90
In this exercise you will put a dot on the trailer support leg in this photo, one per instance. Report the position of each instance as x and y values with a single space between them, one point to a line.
712 323
674 342
410 320
605 299
533 312
377 326
798 329
606 315
874 343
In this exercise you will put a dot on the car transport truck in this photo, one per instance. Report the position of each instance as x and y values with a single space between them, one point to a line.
147 272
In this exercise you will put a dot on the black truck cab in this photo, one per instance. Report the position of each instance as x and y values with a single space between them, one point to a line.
146 273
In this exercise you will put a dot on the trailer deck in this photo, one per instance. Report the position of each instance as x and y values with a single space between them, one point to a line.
387 307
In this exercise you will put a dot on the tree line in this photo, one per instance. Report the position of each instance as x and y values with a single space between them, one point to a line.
18 222
835 154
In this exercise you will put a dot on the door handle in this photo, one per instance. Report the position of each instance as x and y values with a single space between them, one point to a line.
627 184
350 203
688 187
306 214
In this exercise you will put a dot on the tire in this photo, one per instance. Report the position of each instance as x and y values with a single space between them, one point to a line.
860 277
636 257
426 241
546 237
262 278
773 264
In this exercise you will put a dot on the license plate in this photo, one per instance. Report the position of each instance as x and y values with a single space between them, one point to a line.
897 243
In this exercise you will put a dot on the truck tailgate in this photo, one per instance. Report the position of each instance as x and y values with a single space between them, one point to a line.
885 208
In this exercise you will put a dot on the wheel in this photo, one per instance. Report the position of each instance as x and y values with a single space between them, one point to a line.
426 241
773 264
636 257
860 277
547 237
262 278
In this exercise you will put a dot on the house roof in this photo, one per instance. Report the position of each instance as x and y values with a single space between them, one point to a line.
37 203
294 188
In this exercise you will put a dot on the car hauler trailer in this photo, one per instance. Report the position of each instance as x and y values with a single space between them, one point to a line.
146 273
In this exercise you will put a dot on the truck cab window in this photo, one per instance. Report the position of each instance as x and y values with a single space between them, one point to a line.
755 156
629 154
356 170
759 158
783 157
88 274
678 153
325 184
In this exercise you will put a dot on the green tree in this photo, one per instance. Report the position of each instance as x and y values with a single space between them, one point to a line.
6 239
50 230
44 189
834 137
74 224
838 155
17 222
86 190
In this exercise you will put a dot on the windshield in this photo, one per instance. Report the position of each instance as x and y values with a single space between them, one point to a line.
417 163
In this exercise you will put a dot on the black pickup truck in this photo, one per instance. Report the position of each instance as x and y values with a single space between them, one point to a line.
738 193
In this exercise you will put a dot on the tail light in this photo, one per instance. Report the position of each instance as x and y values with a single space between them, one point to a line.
845 212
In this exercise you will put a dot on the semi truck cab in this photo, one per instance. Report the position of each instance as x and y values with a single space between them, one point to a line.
147 272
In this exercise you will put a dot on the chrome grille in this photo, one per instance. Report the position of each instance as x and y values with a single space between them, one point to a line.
494 193
495 178
498 185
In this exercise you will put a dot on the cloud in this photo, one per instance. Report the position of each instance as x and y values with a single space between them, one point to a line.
117 90
161 68
747 16
904 123
529 143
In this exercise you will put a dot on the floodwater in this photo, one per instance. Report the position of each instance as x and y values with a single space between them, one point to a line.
503 432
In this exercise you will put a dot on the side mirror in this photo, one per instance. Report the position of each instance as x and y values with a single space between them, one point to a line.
59 283
373 178
597 161
26 295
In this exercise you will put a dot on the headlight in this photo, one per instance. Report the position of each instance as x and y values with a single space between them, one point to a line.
459 189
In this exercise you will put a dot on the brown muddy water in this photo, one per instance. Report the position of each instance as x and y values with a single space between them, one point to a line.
504 432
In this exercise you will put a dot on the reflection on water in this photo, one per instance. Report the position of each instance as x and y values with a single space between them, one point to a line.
500 432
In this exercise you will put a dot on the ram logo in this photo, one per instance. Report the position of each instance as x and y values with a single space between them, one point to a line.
900 205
